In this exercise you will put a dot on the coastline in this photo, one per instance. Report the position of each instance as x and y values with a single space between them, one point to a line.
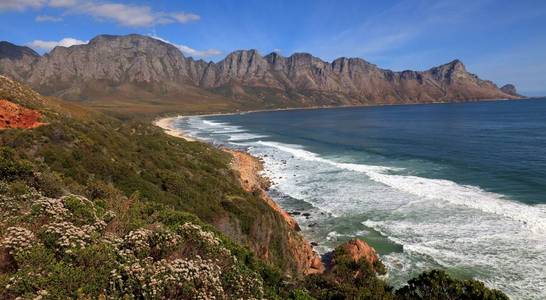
167 125
248 169
166 120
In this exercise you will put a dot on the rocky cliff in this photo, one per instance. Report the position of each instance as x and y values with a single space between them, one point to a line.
131 65
16 61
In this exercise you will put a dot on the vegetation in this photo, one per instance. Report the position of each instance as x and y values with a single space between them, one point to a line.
439 285
94 207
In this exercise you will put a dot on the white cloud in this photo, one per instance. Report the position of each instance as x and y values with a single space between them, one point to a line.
132 15
62 3
127 15
185 17
190 51
198 53
46 18
124 14
20 5
48 45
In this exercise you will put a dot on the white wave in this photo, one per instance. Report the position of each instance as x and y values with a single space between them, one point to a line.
212 123
231 129
308 155
532 217
245 136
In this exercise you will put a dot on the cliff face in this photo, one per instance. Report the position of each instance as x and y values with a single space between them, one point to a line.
294 247
16 61
134 63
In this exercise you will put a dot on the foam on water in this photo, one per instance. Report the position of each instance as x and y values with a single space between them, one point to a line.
245 136
439 223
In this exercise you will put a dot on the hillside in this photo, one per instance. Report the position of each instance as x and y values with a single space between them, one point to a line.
144 75
94 207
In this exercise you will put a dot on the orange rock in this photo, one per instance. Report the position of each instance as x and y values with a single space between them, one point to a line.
15 116
357 249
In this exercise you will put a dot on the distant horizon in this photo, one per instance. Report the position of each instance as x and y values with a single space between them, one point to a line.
501 41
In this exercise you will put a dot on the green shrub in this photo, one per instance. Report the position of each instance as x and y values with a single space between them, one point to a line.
12 167
49 184
439 285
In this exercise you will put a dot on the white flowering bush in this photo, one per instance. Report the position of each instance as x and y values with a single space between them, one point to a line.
68 238
195 232
50 207
162 264
17 239
176 279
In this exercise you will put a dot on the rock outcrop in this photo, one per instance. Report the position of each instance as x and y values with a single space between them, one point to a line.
356 250
134 64
510 89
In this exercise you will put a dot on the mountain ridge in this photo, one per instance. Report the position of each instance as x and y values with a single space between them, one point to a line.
136 66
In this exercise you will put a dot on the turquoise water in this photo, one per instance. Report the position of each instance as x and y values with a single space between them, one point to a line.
460 187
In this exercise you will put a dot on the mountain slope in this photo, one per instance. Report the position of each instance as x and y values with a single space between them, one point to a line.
92 207
16 61
88 153
143 71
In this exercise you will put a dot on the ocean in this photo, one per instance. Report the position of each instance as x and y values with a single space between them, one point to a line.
459 187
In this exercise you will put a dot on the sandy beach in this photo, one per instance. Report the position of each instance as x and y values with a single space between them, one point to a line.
168 126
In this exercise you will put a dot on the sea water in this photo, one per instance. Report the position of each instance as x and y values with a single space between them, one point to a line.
458 187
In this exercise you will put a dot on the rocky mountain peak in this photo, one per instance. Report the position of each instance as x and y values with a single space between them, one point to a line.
11 51
302 58
451 71
113 59
274 57
143 64
455 65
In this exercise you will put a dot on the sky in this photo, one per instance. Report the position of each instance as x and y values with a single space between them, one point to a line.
503 41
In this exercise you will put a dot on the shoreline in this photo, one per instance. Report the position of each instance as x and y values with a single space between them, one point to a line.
248 169
167 125
239 112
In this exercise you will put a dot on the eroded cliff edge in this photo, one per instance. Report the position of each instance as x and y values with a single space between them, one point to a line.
306 260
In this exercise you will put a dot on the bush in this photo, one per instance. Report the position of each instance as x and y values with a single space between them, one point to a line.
12 167
439 285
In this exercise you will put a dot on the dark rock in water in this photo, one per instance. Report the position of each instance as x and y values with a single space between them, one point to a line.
314 244
312 225
294 213
306 214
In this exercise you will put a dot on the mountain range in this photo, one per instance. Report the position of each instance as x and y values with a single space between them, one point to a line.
136 70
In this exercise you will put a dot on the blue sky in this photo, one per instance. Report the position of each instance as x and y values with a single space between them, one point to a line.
504 41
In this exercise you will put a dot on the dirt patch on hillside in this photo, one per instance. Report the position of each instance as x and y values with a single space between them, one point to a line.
15 116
